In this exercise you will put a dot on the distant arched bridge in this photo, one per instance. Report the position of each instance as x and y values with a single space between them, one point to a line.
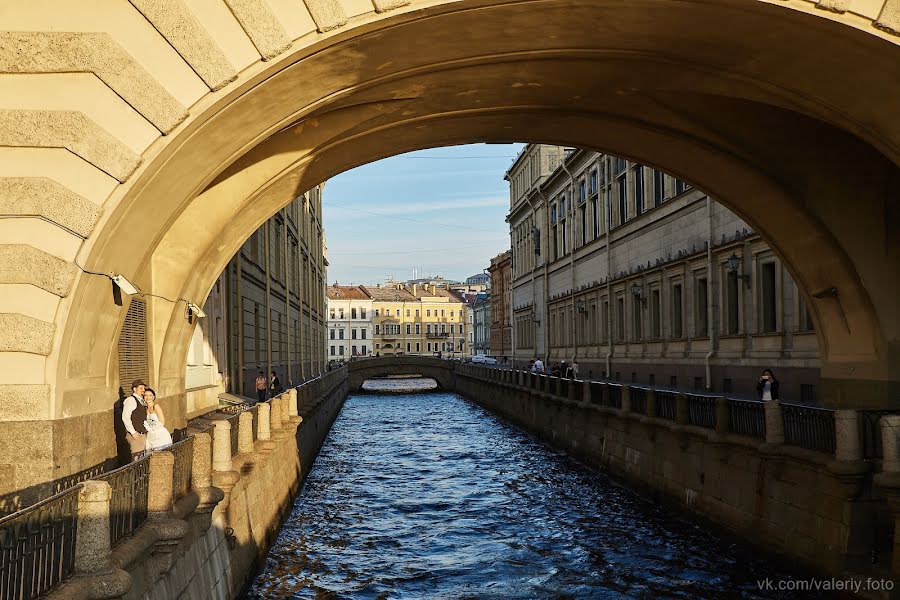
441 371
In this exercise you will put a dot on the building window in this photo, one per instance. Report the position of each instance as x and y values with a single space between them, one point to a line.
362 333
680 187
442 312
417 313
418 328
623 199
637 176
427 327
408 329
582 214
417 347
428 313
655 321
595 215
592 182
429 346
377 311
677 330
408 346
362 313
659 187
355 351
341 350
377 329
353 334
768 295
732 304
353 313
340 334
702 309
636 319
331 314
331 332
332 350
341 313
620 319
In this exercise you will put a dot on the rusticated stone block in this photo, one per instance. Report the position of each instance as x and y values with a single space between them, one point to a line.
889 19
327 14
24 402
70 130
97 53
42 197
20 333
21 263
386 5
261 26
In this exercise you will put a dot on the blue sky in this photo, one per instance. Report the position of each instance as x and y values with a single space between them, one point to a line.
440 210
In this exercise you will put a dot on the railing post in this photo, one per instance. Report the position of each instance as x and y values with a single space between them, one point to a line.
201 478
774 422
626 398
160 488
222 446
650 402
604 394
586 395
284 398
275 415
571 385
890 443
846 436
245 433
292 405
263 424
722 415
681 409
92 544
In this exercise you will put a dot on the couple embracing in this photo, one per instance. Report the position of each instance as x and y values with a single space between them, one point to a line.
144 420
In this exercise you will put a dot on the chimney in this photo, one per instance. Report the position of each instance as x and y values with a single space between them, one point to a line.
433 289
415 288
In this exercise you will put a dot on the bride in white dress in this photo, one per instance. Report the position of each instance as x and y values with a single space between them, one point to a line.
157 434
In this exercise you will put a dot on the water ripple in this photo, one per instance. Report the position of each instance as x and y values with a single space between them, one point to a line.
429 496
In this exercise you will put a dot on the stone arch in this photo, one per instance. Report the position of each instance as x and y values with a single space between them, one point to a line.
442 371
192 127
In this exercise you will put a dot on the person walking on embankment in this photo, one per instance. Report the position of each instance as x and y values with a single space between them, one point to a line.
767 386
261 386
134 413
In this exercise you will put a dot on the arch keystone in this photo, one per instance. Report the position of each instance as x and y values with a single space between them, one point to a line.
261 26
21 263
70 130
21 333
97 53
45 198
175 21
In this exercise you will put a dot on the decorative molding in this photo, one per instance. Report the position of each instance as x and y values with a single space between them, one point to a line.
45 198
21 263
261 26
20 333
175 21
327 14
97 53
71 130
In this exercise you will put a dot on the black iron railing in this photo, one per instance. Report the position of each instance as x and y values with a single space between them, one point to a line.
128 505
614 395
562 387
37 546
808 427
747 417
702 410
184 458
638 400
870 432
596 393
665 404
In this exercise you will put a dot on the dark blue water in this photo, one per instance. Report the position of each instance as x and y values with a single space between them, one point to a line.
430 496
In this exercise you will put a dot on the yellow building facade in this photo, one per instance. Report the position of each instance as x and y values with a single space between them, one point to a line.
422 320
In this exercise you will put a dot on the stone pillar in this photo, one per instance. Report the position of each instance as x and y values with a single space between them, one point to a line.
285 400
586 394
275 415
723 415
292 404
160 490
774 422
92 545
650 401
846 436
604 394
263 422
890 443
245 433
626 398
681 409
201 479
572 385
222 446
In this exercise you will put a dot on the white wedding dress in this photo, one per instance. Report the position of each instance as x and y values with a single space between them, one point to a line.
157 435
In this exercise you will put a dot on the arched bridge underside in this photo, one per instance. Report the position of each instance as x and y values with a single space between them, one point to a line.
151 138
439 370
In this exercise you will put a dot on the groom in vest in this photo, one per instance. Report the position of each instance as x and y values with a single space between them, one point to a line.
134 412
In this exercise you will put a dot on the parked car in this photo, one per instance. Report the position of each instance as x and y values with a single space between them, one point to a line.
484 360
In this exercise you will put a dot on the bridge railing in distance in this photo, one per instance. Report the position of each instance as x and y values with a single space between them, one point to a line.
613 395
809 427
701 410
639 399
747 417
37 546
665 404
183 452
128 505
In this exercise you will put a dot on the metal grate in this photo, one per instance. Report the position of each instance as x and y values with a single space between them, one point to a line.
665 404
807 427
128 505
184 457
702 410
747 417
614 395
132 348
37 546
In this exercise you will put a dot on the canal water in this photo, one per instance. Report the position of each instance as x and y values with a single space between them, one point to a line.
429 496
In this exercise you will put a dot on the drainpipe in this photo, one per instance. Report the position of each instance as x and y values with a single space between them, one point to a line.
533 257
609 298
268 310
710 319
287 293
572 262
546 317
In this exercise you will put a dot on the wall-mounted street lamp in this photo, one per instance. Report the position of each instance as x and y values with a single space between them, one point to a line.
581 305
733 263
638 293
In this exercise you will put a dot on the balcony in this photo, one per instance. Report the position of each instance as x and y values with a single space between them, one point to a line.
436 335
